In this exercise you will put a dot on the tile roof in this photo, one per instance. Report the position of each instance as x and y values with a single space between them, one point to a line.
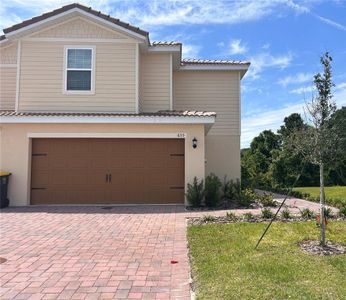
213 62
82 7
161 113
165 43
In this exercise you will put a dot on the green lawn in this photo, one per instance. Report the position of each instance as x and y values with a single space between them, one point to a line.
226 266
334 194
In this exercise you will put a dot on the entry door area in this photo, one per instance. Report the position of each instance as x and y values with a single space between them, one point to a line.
107 171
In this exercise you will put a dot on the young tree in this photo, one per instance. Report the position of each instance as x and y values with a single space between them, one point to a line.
318 143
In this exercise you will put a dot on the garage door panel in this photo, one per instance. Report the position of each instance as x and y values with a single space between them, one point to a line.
175 196
40 162
39 197
59 177
78 178
40 178
96 178
74 171
155 178
58 161
156 161
117 162
40 145
119 147
175 161
135 161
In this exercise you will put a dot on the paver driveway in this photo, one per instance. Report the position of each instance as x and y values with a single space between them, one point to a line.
93 253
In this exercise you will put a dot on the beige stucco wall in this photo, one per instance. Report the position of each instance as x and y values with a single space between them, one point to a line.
41 78
155 82
15 149
223 156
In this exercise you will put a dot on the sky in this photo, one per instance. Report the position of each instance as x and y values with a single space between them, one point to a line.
283 40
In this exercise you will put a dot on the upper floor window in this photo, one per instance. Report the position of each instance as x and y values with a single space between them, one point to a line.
79 70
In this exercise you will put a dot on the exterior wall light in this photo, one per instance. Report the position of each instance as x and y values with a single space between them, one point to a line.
194 143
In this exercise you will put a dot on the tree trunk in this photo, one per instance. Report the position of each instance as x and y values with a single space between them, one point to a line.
322 203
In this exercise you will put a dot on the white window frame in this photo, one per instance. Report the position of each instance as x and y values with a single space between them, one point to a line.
93 51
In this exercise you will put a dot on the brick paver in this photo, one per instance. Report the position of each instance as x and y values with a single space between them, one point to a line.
85 252
93 253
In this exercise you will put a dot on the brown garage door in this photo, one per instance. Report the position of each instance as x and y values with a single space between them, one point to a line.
113 171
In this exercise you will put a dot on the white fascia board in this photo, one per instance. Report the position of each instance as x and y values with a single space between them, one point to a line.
77 10
106 120
166 48
213 68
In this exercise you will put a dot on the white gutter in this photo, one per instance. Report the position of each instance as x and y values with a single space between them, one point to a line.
206 67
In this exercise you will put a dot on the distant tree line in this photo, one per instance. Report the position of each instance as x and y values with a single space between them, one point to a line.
269 162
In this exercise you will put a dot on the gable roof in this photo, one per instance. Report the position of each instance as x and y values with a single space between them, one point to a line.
81 7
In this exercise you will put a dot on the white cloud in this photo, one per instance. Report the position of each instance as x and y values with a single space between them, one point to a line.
264 60
303 90
253 124
190 51
236 47
199 12
303 9
331 22
158 12
297 8
340 86
296 79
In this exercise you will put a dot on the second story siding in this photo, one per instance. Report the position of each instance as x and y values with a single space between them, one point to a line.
41 78
217 91
8 76
155 85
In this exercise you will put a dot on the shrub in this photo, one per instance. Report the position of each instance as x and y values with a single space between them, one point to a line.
249 216
307 213
286 213
208 218
342 211
212 190
247 197
231 216
195 193
266 200
267 213
231 191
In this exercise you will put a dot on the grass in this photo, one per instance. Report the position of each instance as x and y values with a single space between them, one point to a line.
335 195
226 266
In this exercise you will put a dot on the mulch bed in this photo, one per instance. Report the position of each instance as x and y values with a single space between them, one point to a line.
256 219
314 247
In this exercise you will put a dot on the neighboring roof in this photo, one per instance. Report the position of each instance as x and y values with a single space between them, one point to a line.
213 62
165 43
161 113
79 6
